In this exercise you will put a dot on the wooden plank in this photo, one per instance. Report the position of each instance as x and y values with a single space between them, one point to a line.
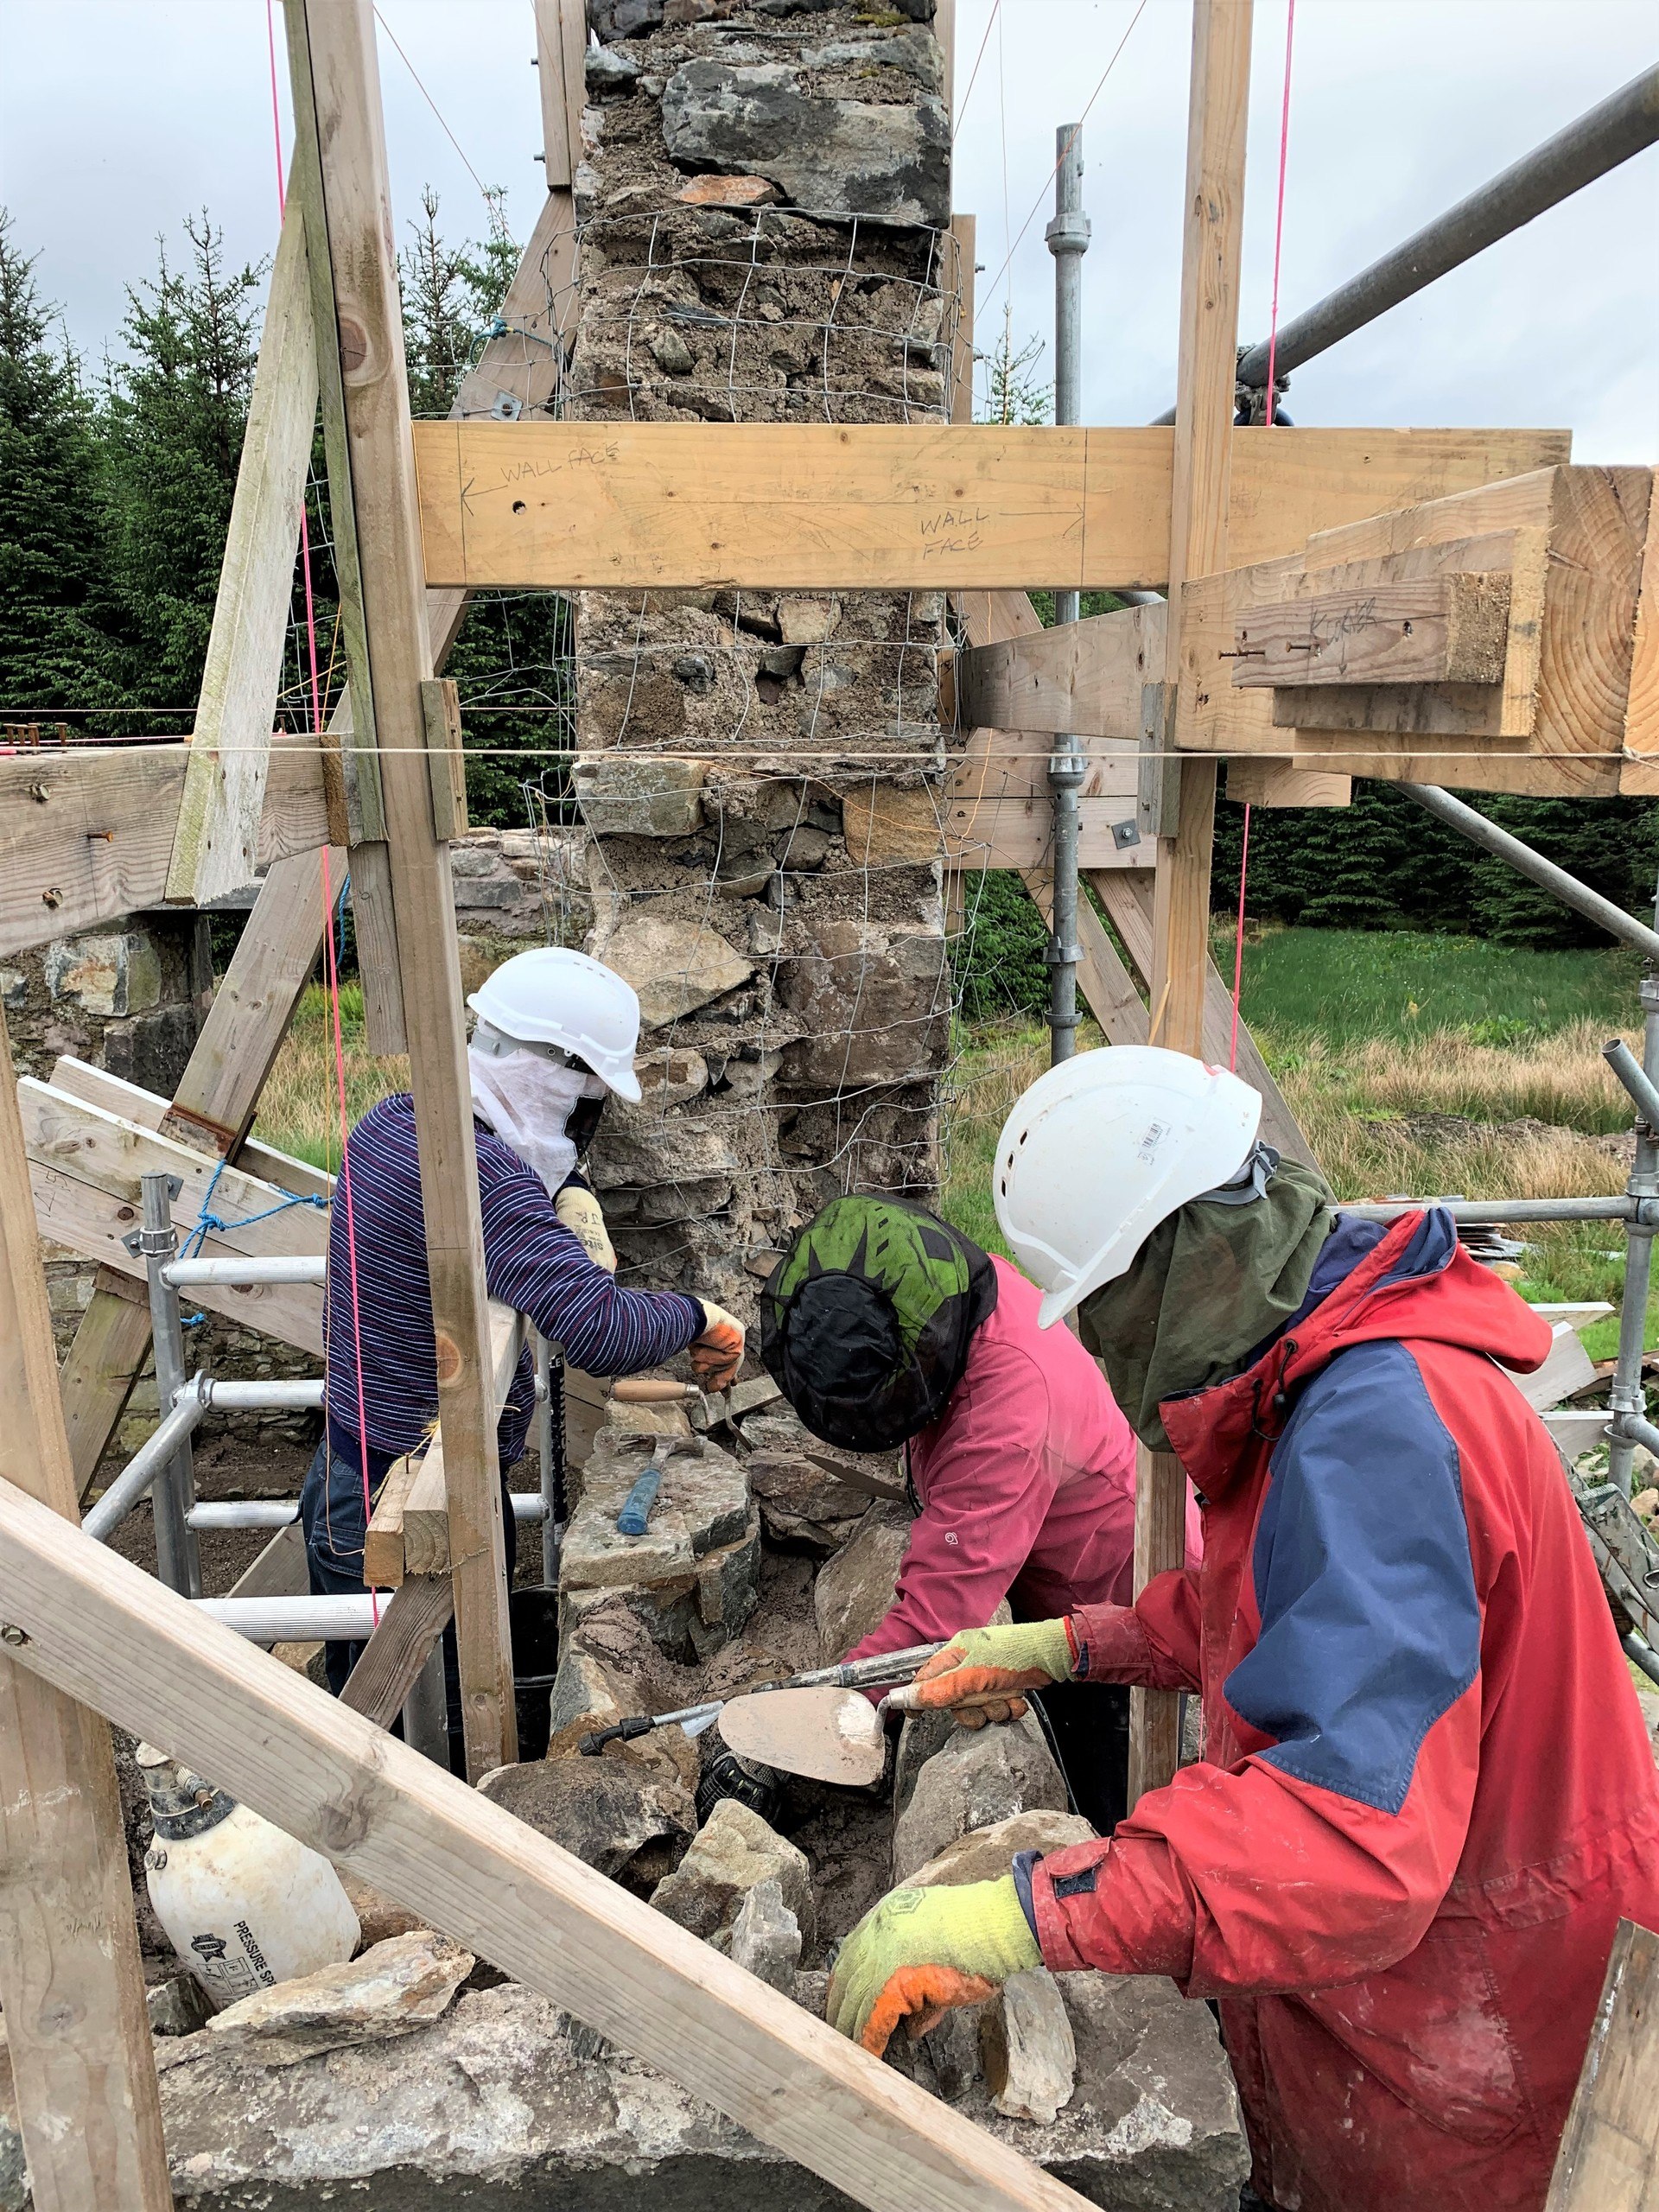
1082 677
426 1525
1105 983
419 1611
1198 544
85 834
100 1629
964 231
70 1982
623 505
445 767
100 1368
280 1570
383 1548
1277 783
85 1166
79 1079
216 845
1453 628
1609 2156
336 92
1641 772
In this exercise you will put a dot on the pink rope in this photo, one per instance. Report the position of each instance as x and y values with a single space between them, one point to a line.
1273 363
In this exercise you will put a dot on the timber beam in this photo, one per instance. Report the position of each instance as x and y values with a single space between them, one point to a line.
624 506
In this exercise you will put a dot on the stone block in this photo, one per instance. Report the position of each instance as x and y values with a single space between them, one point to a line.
640 1147
891 162
981 1777
733 1853
872 1002
856 1586
806 621
675 966
983 1855
403 1984
800 1500
670 1077
1026 2047
766 1936
729 192
612 1813
637 794
110 975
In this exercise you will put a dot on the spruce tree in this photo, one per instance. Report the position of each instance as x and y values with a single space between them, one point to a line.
52 652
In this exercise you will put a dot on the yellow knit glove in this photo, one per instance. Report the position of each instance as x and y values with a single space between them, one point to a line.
981 1672
581 1214
921 1951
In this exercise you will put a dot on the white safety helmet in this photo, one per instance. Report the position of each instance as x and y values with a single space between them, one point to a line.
553 996
1102 1148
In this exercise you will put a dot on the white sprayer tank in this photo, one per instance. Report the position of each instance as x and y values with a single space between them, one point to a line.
242 1904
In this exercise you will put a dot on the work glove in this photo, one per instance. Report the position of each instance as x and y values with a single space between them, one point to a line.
717 1354
922 1951
581 1214
981 1672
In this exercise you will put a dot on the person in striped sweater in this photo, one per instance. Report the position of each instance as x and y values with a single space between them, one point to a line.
556 1034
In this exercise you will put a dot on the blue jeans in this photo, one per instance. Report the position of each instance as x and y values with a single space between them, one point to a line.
331 1513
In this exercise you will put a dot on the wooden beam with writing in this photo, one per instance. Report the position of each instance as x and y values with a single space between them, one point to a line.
1453 628
627 506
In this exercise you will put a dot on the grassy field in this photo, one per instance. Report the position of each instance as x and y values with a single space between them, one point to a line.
1419 1066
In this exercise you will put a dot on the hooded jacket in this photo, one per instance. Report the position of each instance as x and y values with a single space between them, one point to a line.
1427 1795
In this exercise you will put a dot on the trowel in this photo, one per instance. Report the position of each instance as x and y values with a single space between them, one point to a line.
815 1724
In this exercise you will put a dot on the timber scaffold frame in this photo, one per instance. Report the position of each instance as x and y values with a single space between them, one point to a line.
1340 602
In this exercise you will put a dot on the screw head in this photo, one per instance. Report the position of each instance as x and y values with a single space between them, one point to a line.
9 1633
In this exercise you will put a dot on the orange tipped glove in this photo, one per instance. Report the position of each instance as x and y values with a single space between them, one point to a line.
982 1671
922 1951
717 1354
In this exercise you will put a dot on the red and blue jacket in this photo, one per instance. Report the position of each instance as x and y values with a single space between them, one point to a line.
1427 1795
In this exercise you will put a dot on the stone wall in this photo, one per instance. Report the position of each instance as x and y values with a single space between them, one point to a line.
130 997
761 202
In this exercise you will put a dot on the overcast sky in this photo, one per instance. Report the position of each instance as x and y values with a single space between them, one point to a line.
119 117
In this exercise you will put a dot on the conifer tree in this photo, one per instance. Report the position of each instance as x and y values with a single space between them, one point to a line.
52 652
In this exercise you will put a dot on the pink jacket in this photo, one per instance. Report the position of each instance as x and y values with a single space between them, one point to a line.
1027 1484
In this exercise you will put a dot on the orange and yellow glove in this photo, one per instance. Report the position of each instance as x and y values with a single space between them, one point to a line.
717 1354
921 1951
982 1671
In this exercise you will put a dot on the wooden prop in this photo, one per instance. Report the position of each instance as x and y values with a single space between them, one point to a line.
419 1611
100 1630
70 1982
216 847
337 106
1609 2159
623 505
409 1530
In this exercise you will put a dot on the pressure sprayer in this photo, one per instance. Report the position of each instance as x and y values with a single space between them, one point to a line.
244 1905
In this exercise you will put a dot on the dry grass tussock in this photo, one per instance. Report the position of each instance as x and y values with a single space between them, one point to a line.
1561 1078
299 1107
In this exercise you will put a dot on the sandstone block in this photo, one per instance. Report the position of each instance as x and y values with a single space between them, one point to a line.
634 794
1026 2047
983 1854
856 1586
670 1076
807 621
766 1936
833 156
729 192
113 974
403 1984
733 1853
613 1814
641 1148
872 1002
981 1777
675 966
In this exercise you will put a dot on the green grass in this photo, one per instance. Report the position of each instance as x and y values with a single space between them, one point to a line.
1339 985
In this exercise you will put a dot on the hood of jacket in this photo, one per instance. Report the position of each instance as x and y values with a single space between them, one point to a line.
1416 1281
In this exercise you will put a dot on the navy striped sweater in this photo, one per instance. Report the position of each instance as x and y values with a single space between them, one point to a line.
531 1262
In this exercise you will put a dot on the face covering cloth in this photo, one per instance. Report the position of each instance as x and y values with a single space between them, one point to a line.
1210 1284
528 1099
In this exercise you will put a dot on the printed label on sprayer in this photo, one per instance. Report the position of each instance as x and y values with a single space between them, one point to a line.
232 1973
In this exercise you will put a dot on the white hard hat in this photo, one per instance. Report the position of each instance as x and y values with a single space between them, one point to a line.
550 995
1102 1148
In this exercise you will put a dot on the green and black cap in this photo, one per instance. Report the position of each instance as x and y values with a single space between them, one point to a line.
867 1321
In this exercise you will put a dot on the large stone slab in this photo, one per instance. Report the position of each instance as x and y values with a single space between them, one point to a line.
856 1586
400 1985
675 966
832 156
732 1854
983 1854
983 1776
873 1004
639 795
613 1813
802 1502
506 2105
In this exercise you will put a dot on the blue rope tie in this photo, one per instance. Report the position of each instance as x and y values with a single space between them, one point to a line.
207 1223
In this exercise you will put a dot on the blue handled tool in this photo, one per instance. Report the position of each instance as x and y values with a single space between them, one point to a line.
636 1506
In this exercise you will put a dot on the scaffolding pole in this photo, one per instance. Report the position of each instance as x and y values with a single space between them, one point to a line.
1068 241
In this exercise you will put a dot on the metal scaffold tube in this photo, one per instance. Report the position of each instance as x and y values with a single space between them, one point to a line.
236 1274
1068 241
177 1559
1626 1401
141 1470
